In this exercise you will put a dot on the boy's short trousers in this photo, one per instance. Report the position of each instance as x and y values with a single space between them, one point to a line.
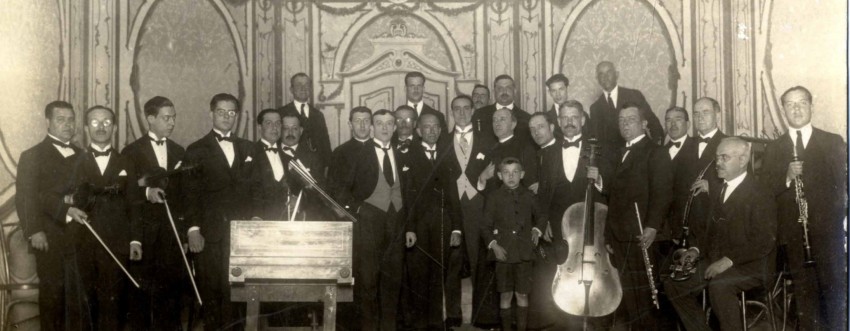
513 277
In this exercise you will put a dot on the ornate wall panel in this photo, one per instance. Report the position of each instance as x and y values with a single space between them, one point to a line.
710 61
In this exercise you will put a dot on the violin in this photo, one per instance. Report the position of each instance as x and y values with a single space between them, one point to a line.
586 284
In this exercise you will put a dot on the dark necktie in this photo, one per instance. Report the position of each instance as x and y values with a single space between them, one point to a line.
610 101
99 153
723 193
222 138
798 146
678 144
567 144
388 167
158 142
431 154
289 149
60 144
302 110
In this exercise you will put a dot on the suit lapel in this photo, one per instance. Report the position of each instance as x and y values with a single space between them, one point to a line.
171 150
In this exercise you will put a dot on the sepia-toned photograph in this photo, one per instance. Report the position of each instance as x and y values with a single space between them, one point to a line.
424 165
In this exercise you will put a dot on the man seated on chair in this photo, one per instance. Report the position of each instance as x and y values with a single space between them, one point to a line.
741 238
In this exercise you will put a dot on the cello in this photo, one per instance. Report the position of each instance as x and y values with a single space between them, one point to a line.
586 284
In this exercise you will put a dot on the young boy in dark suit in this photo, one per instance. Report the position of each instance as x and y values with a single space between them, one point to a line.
512 224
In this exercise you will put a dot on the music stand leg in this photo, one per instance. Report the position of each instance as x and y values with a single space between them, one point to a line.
329 317
252 312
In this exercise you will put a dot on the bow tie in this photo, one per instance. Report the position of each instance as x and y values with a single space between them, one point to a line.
222 138
404 143
289 149
678 144
567 144
703 140
60 144
270 149
99 153
158 142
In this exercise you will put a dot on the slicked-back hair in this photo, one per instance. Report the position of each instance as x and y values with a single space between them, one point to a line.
380 112
263 114
633 105
300 74
558 78
681 110
797 88
48 110
481 86
462 96
545 116
503 76
421 118
223 97
291 112
93 108
571 104
156 103
413 74
359 109
714 104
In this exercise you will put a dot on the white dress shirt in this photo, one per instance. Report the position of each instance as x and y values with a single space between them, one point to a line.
380 152
702 145
102 161
65 151
226 147
291 152
160 150
673 150
550 143
570 157
298 108
629 144
615 92
416 106
731 185
806 130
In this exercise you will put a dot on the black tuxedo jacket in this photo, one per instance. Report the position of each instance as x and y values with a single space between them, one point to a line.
315 136
482 121
701 206
682 180
605 126
218 192
268 196
396 143
646 177
556 193
361 181
44 178
147 218
481 146
515 147
432 186
342 162
825 187
109 214
743 228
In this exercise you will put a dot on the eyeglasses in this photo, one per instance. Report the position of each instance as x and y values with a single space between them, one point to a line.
104 123
228 113
275 124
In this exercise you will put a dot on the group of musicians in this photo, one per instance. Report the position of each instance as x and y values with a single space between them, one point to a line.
435 205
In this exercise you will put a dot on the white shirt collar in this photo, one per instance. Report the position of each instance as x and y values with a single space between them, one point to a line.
428 147
732 184
550 143
361 140
709 135
298 107
94 147
221 133
154 137
381 144
416 106
501 141
500 106
57 139
635 141
806 130
294 147
680 140
465 129
268 144
576 137
614 93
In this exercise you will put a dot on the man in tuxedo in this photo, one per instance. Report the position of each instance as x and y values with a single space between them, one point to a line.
643 176
110 181
820 165
741 242
434 264
46 174
558 88
269 188
466 161
311 203
604 112
405 128
414 88
216 194
505 90
373 190
315 134
344 156
707 114
154 252
504 125
564 173
480 96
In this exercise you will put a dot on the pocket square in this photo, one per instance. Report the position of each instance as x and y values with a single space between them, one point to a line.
122 173
248 159
405 168
479 156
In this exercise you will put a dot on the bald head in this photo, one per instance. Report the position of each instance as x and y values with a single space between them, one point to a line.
733 154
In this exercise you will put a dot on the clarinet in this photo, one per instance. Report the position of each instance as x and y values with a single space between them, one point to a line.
803 205
647 263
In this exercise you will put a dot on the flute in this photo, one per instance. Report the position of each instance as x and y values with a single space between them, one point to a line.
647 263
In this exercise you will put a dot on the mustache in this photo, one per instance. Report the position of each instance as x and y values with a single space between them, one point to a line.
289 136
570 126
